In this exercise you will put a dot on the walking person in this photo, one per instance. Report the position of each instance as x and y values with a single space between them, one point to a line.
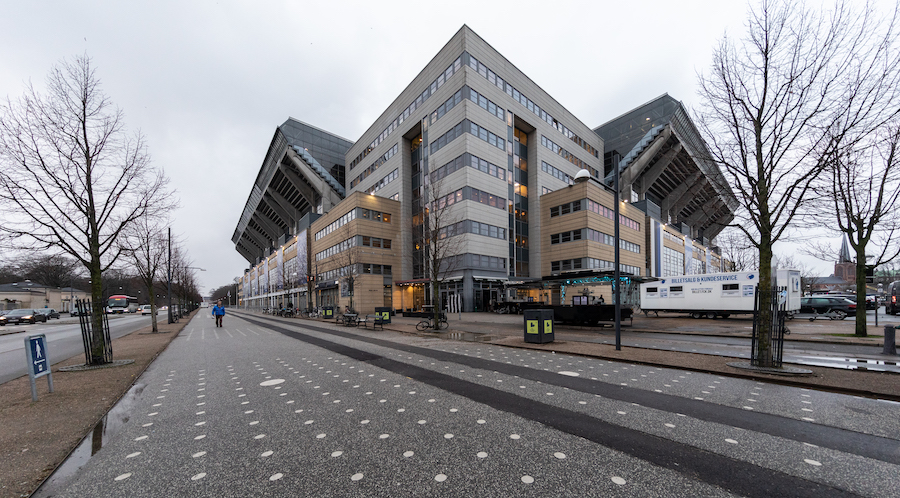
218 311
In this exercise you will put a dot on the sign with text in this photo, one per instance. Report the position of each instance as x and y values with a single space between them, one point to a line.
38 362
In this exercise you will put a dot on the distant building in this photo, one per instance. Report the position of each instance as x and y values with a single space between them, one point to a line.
28 294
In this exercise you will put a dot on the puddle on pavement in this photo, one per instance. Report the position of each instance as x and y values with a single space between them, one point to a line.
465 336
101 434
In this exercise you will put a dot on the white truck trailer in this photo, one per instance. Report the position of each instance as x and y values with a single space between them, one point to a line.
716 294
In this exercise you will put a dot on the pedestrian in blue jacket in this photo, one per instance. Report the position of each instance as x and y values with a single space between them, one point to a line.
218 311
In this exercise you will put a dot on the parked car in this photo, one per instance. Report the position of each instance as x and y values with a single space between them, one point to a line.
871 302
839 306
73 312
24 315
892 306
146 310
48 312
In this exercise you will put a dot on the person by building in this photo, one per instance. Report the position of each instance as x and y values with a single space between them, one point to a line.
218 312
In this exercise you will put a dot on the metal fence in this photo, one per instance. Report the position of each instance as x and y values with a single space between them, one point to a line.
762 348
86 318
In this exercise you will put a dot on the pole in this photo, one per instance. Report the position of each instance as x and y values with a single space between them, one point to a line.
169 279
617 282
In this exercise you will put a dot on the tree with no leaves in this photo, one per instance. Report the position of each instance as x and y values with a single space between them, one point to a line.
861 192
146 248
440 233
802 85
72 178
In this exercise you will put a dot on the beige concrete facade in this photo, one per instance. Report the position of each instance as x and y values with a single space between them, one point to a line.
468 107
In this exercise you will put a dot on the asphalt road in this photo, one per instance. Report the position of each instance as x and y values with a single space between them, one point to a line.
275 408
63 340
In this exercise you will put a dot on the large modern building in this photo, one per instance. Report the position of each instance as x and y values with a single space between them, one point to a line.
526 188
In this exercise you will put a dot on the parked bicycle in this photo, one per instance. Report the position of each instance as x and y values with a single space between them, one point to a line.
428 323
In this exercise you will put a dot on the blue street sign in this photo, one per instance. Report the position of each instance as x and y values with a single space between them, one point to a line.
38 362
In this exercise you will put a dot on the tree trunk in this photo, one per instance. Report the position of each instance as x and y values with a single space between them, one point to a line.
435 298
155 327
98 338
861 291
764 313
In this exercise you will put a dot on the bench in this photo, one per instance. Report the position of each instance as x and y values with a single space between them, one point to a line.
375 320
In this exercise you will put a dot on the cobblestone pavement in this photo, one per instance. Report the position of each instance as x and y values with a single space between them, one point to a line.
270 407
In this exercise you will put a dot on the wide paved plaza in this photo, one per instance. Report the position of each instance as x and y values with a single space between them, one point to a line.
263 407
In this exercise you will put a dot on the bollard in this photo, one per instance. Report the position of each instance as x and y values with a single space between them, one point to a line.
890 346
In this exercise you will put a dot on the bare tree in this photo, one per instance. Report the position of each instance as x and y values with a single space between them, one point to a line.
738 249
440 234
54 270
72 178
347 261
861 193
146 248
801 85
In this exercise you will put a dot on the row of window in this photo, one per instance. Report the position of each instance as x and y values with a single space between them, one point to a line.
466 126
374 269
674 238
403 116
470 193
393 175
450 103
451 135
337 248
362 268
372 167
568 156
569 207
591 264
338 223
358 240
593 235
546 190
531 106
334 274
546 168
366 214
486 104
474 227
487 136
470 160
609 213
574 206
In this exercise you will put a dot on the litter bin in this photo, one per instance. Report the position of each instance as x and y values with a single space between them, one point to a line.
329 312
384 312
538 326
890 336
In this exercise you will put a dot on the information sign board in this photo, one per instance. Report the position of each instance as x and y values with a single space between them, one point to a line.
38 362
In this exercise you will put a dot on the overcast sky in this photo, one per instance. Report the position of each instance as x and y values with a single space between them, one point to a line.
207 83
